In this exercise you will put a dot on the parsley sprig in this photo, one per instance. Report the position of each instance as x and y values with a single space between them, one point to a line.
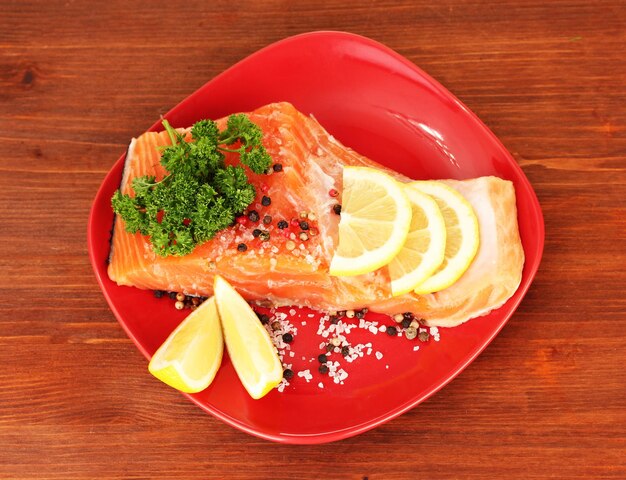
200 195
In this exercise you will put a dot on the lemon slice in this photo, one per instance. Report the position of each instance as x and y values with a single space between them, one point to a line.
462 236
190 357
424 248
249 345
375 220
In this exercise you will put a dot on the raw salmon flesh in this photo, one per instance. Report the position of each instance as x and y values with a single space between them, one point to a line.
271 273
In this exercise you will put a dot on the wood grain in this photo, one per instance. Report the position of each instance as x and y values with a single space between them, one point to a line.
547 399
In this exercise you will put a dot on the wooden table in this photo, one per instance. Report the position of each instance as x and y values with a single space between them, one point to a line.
78 79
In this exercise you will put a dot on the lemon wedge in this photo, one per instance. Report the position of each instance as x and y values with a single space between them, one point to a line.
190 357
462 236
375 221
250 347
424 248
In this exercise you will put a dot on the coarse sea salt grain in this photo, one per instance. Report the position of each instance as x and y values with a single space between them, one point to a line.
378 355
320 385
416 348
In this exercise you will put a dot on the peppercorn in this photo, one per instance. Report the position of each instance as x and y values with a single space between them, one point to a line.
322 358
288 374
256 232
265 319
345 350
335 341
180 297
283 224
313 232
350 313
158 293
265 236
337 209
415 324
172 295
267 219
212 265
304 225
196 301
287 337
334 320
303 236
410 333
341 313
276 325
278 167
424 336
303 214
406 323
253 216
359 314
242 247
323 369
398 317
179 305
295 222
266 201
329 347
333 193
289 245
391 331
408 315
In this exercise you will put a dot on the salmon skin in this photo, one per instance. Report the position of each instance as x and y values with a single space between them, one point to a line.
289 270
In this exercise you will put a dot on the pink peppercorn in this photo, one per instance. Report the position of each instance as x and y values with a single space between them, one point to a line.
242 220
333 193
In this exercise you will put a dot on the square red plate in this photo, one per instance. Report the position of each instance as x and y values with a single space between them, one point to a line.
386 108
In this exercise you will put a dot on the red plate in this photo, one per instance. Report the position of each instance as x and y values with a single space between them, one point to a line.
386 108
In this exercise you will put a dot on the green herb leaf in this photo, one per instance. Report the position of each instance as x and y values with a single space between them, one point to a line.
200 195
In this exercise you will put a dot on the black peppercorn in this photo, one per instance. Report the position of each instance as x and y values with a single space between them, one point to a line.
359 314
265 319
323 369
267 219
334 320
158 293
173 295
287 337
345 350
242 247
253 216
337 208
322 358
265 201
288 374
406 323
256 232
304 225
278 167
408 315
283 224
391 331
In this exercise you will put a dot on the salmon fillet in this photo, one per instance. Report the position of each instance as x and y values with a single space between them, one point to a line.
271 273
